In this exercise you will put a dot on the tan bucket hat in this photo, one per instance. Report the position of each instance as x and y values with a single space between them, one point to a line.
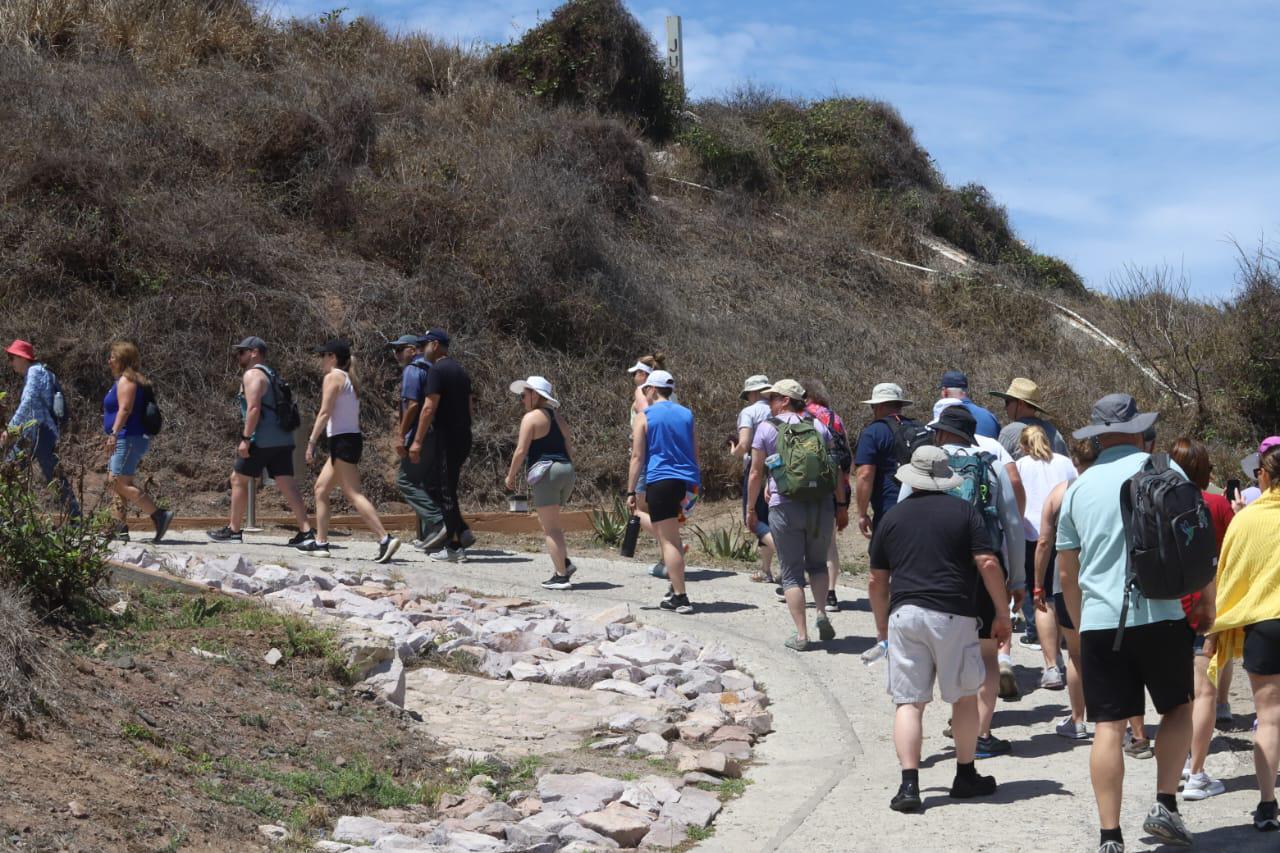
1024 390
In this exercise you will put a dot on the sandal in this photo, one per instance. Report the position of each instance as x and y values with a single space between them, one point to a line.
762 577
796 644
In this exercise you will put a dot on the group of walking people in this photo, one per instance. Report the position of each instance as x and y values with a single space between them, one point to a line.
972 525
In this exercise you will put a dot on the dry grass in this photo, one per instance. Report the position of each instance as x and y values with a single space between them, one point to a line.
28 677
202 174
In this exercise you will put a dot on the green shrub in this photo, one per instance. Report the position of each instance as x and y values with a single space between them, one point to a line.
728 160
971 220
609 525
726 543
1044 272
594 53
57 561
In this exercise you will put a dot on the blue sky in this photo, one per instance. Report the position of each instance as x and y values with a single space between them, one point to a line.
1116 133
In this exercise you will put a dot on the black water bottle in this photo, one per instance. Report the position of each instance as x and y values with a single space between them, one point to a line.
630 538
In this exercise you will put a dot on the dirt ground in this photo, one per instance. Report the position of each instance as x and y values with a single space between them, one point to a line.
165 750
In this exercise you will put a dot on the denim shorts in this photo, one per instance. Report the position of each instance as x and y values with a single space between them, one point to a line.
129 452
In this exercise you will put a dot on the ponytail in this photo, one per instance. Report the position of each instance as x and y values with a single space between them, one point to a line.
1035 443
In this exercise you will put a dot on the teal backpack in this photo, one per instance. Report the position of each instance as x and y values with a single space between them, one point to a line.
802 467
981 489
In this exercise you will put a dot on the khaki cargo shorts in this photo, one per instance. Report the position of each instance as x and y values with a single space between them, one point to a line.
925 645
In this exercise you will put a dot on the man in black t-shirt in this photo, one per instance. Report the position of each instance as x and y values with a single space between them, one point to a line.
444 440
926 557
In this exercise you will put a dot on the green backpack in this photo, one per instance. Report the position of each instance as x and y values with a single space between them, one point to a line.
802 467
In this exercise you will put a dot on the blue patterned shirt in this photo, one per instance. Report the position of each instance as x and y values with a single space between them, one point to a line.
36 404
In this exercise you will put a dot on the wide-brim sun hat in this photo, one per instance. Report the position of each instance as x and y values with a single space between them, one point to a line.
929 470
788 388
755 383
22 349
887 392
956 420
1117 413
659 379
538 385
1024 390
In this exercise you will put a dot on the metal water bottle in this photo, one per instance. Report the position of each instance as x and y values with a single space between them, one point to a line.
630 538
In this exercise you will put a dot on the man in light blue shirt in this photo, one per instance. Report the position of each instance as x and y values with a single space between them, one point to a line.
1155 654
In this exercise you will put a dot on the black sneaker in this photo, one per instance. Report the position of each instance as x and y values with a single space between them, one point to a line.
387 549
678 603
467 539
991 746
671 592
162 522
303 537
312 548
832 602
557 582
907 799
435 538
964 787
1266 818
226 534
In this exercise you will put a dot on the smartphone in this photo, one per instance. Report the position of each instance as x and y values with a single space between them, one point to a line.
1233 489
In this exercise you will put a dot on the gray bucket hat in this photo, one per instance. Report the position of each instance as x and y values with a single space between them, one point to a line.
1117 413
929 470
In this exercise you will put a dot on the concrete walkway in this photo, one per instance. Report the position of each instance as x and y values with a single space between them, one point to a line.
823 779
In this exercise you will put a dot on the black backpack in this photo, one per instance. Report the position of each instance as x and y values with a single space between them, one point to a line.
152 417
908 435
285 409
1169 538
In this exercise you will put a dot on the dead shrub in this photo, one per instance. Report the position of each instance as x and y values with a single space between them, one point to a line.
28 676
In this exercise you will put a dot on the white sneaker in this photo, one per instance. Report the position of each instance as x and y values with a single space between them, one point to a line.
448 555
1201 786
1072 730
1052 679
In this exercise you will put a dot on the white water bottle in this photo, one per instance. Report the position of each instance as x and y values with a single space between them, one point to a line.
876 652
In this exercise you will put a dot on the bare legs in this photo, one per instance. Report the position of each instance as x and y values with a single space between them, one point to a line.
908 731
130 494
668 533
1171 748
796 604
833 567
1106 771
347 478
766 555
1266 743
990 687
287 487
553 532
1203 711
1047 631
1075 690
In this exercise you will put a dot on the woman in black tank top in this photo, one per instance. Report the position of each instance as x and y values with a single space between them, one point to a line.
542 453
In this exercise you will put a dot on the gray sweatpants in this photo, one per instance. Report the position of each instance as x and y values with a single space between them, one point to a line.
802 534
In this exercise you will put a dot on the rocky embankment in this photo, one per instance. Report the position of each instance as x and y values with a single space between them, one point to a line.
691 712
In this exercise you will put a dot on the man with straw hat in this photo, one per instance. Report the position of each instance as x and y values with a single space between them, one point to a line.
926 558
1022 405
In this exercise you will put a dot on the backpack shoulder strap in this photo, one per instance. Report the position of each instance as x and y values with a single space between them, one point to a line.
271 380
1159 463
776 422
1127 490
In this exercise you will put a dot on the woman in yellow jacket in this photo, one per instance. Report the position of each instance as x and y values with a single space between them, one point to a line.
1248 620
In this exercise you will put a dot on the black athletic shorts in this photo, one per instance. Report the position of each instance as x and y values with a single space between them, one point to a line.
347 447
1156 658
987 607
276 461
1262 648
1060 609
665 498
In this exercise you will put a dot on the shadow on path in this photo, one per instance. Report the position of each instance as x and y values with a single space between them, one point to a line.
596 585
1019 790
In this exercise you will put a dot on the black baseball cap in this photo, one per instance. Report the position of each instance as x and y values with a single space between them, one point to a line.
251 342
337 346
438 335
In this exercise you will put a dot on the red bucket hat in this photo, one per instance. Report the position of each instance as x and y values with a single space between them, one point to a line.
22 349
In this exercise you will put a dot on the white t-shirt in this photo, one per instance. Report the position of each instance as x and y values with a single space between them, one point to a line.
1039 479
750 418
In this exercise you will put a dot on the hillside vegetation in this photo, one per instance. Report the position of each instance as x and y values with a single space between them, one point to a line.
186 173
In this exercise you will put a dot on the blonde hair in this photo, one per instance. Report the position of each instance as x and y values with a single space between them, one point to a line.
1035 443
129 360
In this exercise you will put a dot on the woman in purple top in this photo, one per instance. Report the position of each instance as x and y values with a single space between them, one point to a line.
127 440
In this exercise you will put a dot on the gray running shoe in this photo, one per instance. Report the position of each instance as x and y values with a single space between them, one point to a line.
1167 826
1111 847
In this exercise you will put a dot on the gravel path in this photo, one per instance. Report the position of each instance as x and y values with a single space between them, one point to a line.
823 779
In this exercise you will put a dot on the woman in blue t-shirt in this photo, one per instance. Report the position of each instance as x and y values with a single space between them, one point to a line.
664 451
127 441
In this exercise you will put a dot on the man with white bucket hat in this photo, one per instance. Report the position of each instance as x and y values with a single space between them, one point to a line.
926 558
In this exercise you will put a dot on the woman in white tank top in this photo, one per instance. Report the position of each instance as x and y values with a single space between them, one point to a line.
339 417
